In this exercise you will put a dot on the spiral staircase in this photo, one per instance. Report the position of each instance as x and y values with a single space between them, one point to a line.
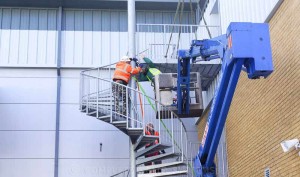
113 103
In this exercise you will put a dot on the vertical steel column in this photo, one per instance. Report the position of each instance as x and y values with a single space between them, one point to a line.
131 45
58 90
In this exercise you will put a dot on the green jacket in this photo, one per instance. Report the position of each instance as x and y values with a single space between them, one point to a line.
151 72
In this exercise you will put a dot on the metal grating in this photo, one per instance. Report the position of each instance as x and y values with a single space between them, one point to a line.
267 172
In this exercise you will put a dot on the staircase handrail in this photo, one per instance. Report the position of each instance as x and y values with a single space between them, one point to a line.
184 143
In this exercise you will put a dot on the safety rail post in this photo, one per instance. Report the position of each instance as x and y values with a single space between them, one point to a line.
88 96
159 121
137 38
111 106
191 31
80 91
97 94
181 139
144 114
186 151
164 43
127 106
172 129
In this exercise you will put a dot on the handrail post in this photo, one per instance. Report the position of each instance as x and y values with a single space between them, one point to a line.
111 104
143 112
172 129
186 150
181 137
80 91
137 37
159 122
164 41
88 97
127 106
97 95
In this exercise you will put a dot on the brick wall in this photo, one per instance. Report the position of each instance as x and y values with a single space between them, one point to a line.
267 111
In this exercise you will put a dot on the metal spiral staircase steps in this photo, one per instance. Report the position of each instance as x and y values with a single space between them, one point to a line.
141 161
151 149
100 104
159 166
173 173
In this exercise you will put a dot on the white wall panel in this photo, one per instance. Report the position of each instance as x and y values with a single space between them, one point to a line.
86 144
27 144
27 117
26 167
91 168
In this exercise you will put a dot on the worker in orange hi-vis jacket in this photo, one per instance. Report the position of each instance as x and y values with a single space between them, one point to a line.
121 77
150 131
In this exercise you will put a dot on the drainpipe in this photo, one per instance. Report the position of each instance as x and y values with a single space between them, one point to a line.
131 44
58 90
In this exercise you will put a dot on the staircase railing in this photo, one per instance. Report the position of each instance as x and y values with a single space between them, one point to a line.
124 173
102 97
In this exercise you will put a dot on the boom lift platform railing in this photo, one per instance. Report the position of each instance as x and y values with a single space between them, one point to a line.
245 46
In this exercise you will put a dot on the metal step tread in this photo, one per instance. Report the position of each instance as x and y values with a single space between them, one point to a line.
157 157
163 165
119 123
164 174
135 131
105 118
151 149
143 140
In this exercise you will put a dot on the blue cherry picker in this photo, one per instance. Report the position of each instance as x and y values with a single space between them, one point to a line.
245 46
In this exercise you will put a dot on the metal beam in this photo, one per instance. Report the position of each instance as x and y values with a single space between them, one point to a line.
58 90
131 51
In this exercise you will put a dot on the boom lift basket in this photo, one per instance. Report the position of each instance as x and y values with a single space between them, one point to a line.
165 92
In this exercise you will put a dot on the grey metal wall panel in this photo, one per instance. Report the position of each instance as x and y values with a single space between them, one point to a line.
27 37
86 144
28 90
72 119
91 168
27 73
247 11
100 37
70 84
26 167
70 90
27 144
27 117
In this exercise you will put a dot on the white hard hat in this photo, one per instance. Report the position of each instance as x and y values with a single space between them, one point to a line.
125 58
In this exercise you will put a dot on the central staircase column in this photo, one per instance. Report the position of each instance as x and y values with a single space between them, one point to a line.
131 52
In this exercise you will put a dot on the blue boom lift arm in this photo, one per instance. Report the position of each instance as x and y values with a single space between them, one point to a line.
245 46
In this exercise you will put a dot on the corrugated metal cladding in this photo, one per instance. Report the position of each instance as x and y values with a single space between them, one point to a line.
28 37
245 11
99 37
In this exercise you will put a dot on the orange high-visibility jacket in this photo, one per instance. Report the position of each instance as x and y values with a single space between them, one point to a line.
124 70
151 144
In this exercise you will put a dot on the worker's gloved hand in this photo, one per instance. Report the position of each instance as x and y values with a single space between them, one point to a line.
136 61
140 69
